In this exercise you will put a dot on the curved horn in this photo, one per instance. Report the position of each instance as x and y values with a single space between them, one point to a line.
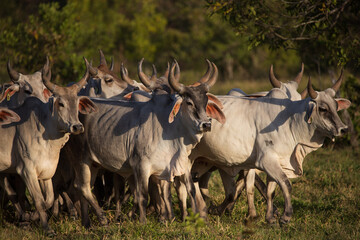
142 76
83 81
154 74
166 73
174 84
304 93
206 76
93 71
312 93
177 74
112 64
46 77
102 58
14 75
214 76
300 74
124 75
337 85
274 82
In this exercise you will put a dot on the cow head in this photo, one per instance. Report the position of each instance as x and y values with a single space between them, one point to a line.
67 103
290 88
109 84
193 100
323 108
25 86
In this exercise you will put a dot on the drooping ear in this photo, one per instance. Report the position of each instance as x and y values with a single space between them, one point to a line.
309 112
213 111
128 96
342 103
214 99
86 106
9 92
7 116
47 94
175 109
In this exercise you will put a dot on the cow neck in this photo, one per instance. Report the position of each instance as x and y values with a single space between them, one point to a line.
303 132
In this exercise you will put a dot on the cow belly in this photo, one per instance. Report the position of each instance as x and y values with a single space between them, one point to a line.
6 165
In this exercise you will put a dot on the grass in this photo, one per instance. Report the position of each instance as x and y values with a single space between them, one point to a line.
326 203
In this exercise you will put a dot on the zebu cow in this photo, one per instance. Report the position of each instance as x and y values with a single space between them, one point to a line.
272 134
143 139
25 86
32 146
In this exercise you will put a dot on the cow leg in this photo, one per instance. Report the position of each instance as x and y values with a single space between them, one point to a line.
83 181
182 195
190 187
12 196
200 202
30 178
250 182
49 193
55 208
204 186
166 195
142 179
271 186
119 191
229 187
69 205
273 169
261 187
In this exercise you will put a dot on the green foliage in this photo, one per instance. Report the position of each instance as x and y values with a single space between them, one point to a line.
351 90
325 31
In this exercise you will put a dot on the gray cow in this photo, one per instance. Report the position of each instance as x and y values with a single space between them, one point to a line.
271 133
143 139
32 146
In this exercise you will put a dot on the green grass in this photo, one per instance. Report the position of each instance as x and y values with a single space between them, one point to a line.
326 203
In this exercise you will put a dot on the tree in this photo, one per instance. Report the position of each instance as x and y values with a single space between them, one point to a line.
321 31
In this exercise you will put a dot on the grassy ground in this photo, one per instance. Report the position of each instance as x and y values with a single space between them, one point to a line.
326 203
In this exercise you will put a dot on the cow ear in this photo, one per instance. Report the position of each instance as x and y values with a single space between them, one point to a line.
9 92
86 106
7 116
175 109
213 111
310 112
342 103
214 99
47 94
128 96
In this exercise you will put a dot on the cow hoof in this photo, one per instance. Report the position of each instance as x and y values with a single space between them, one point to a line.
271 221
50 233
104 221
276 213
283 221
251 219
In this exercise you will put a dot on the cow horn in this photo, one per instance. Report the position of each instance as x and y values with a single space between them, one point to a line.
337 85
102 58
46 77
166 73
173 81
93 71
300 74
142 76
112 64
14 75
206 76
125 75
312 93
177 68
214 76
304 93
83 81
274 82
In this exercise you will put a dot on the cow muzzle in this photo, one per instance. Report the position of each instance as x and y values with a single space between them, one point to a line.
343 130
76 129
205 126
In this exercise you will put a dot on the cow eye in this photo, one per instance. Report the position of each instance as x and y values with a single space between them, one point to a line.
27 91
322 109
109 80
189 103
61 104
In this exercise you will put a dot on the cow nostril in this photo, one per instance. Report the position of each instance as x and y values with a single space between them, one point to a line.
206 126
344 130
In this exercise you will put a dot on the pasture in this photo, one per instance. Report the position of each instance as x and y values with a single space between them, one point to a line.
326 203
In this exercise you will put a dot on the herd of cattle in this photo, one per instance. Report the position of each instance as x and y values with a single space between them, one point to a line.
135 139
